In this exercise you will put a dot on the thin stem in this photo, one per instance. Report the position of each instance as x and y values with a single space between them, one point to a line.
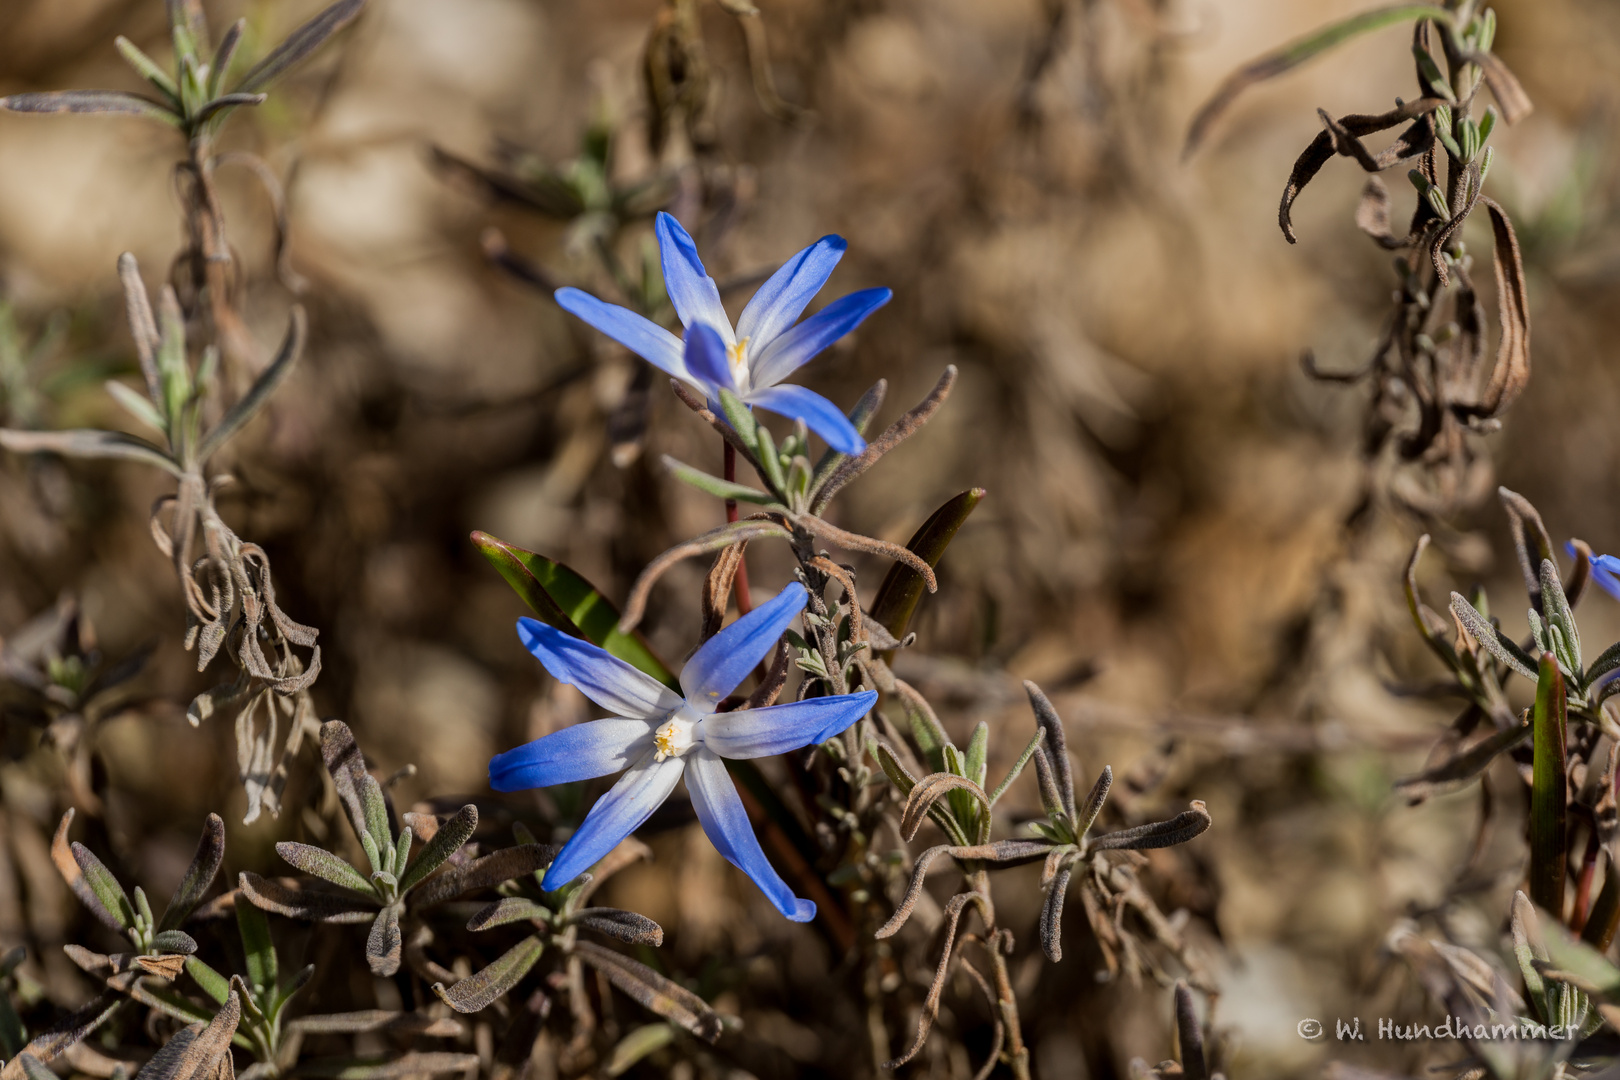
1017 1053
745 602
1583 891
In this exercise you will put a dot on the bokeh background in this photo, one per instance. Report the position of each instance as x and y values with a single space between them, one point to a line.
1171 499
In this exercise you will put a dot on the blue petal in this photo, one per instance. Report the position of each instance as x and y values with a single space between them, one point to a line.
690 288
777 729
640 335
819 414
1606 572
600 676
781 300
580 752
721 813
726 659
615 816
784 355
706 358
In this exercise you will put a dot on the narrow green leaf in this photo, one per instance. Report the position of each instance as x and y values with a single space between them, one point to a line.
174 941
199 875
741 418
720 489
104 885
510 909
1018 766
1298 52
376 808
223 57
324 865
482 988
208 980
1590 968
978 748
263 971
768 457
89 443
896 772
90 101
1556 605
402 849
562 598
300 44
1490 638
637 1045
929 738
451 835
292 346
1549 795
902 589
147 67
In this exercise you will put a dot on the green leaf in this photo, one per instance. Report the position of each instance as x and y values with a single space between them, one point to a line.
90 101
482 988
257 946
376 809
325 865
1590 968
741 418
1548 790
89 443
1490 638
1296 53
105 886
511 909
300 44
637 1045
210 981
896 772
720 489
147 67
565 600
902 588
978 747
1556 605
223 57
199 875
451 835
174 941
1018 766
929 738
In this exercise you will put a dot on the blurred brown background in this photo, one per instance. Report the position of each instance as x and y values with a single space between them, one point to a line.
1170 497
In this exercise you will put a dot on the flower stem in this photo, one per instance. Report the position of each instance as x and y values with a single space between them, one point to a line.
1016 1055
745 602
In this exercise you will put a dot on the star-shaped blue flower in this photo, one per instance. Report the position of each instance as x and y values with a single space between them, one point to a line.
1605 571
660 735
767 344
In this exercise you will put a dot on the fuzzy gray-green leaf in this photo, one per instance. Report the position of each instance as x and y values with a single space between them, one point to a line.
445 843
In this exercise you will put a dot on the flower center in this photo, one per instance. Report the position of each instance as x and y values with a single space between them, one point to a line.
677 736
739 361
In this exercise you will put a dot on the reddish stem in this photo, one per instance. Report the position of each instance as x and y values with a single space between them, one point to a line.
1583 890
745 602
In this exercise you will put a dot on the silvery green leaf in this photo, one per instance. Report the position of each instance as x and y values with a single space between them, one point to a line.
174 941
210 981
384 941
223 57
304 903
90 101
292 346
1556 605
445 843
487 872
975 763
663 996
89 443
626 926
509 909
263 969
323 864
483 987
1491 639
720 489
199 875
300 44
106 888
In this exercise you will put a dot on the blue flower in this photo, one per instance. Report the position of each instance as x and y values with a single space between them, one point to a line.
767 344
1605 571
657 735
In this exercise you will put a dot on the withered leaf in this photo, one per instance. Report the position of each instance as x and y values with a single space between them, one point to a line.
663 996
